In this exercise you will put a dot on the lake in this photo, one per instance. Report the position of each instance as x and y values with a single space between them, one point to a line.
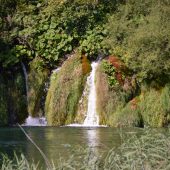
61 142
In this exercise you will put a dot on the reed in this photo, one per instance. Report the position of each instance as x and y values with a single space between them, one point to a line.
47 162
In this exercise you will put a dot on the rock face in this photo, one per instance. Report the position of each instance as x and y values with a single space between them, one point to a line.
13 101
107 99
66 87
37 79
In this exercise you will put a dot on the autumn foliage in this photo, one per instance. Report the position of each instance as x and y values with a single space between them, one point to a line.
118 67
85 65
133 104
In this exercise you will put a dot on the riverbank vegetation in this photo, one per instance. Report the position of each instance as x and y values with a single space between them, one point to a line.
132 37
149 151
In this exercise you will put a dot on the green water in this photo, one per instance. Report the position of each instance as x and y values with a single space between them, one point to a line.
57 142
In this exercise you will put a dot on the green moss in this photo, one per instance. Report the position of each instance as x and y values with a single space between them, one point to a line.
116 107
151 109
82 106
36 84
155 108
64 93
127 117
107 99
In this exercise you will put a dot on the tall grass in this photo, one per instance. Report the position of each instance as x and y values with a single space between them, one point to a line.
18 163
151 151
48 164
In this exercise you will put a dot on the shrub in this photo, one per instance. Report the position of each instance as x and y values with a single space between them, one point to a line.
107 98
155 108
151 109
127 117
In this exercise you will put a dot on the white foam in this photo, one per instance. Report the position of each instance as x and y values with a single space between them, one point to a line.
82 125
92 118
35 121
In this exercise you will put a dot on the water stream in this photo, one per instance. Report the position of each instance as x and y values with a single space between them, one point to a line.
35 121
92 118
31 121
26 78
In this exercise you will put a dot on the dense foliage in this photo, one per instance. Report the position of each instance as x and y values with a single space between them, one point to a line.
134 34
140 36
52 30
137 32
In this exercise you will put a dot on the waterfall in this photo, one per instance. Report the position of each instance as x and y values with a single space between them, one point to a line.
26 78
92 118
35 121
31 121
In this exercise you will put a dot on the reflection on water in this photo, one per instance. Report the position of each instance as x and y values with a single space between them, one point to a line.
92 137
58 142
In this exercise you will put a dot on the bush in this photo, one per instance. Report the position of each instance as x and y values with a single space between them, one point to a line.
154 107
127 117
108 99
151 109
135 37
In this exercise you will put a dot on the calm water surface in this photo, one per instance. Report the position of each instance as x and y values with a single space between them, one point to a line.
58 142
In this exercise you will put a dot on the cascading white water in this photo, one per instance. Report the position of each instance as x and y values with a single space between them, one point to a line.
92 118
31 121
35 121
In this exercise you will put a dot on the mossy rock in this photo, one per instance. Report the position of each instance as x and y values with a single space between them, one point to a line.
65 90
37 79
152 109
107 99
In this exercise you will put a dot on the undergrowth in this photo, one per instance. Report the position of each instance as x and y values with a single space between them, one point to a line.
151 108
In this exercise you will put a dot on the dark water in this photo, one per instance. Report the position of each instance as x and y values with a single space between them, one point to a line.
58 142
